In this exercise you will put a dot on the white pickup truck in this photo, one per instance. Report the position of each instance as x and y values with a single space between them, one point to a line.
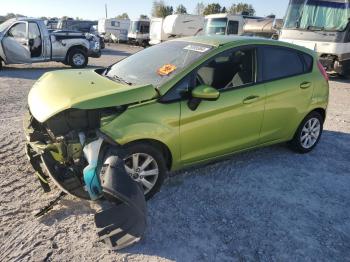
27 40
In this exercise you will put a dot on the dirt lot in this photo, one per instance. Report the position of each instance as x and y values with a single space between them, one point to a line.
265 205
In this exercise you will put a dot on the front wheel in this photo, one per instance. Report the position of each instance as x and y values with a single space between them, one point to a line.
77 58
308 133
146 165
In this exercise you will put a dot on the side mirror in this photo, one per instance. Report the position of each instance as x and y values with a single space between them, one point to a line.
205 93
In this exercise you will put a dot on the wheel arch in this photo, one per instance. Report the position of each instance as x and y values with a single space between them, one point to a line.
321 111
163 148
79 46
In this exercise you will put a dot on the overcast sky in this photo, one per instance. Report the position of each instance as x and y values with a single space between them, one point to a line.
94 9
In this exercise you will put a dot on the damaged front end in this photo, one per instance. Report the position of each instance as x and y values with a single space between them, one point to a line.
69 150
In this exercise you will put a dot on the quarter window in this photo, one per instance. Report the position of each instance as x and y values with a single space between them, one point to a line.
280 62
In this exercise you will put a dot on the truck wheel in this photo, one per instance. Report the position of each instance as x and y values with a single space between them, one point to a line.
0 64
77 58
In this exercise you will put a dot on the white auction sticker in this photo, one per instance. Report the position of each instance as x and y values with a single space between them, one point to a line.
197 48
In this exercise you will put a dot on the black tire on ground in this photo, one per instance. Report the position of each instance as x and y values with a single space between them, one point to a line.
0 63
77 58
296 144
155 153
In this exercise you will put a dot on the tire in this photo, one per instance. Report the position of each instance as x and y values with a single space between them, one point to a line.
308 133
0 64
144 150
77 58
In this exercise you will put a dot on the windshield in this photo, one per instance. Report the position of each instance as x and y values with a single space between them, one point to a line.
135 27
157 64
318 15
215 26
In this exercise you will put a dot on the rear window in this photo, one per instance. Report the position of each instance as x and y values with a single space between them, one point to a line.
280 62
308 61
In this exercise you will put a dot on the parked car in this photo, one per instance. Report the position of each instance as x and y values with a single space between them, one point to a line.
25 40
174 105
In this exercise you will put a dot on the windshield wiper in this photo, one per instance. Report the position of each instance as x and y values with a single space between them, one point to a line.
315 28
118 78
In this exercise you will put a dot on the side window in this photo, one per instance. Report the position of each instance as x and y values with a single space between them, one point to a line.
308 62
18 31
280 62
232 28
113 23
34 31
179 91
228 70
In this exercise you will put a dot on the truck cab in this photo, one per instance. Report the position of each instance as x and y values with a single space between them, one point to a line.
324 27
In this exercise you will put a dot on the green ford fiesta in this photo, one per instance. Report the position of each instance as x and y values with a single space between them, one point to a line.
176 104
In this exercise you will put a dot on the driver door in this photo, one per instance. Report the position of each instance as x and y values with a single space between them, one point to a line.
231 123
16 44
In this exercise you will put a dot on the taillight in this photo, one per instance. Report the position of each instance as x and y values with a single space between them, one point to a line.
322 70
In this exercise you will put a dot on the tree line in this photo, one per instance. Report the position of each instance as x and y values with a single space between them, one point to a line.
160 9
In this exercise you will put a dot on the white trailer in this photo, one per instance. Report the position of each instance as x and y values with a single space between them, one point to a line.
323 26
157 34
114 29
183 25
174 26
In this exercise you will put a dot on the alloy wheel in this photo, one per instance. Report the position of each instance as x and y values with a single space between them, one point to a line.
310 133
142 168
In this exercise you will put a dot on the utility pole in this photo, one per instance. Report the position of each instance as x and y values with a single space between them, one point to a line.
106 10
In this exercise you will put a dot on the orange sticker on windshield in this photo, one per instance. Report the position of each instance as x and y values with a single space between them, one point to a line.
166 69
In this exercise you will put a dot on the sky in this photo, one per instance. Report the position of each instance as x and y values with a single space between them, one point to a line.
94 9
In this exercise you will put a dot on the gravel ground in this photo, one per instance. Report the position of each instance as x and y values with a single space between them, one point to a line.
264 205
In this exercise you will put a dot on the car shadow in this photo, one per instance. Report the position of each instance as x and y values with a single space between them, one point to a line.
257 203
33 72
340 79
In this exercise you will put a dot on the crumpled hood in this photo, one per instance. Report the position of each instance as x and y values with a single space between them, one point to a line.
57 91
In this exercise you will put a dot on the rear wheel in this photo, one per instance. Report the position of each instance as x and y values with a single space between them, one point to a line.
146 165
77 58
0 63
308 134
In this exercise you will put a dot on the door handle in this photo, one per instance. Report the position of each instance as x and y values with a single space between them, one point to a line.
250 99
305 85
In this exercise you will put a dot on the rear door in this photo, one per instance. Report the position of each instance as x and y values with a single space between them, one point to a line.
286 74
16 44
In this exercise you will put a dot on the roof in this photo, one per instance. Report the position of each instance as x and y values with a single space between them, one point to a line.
220 40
